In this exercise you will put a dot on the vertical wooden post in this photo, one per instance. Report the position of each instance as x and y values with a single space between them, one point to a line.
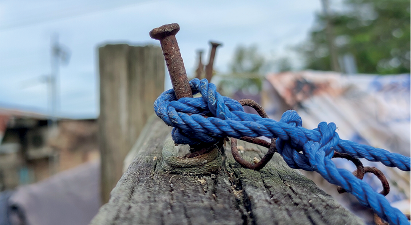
131 78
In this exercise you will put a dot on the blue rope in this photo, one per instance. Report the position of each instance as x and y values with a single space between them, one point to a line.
225 117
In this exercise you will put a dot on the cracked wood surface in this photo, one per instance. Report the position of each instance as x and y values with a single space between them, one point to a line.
234 195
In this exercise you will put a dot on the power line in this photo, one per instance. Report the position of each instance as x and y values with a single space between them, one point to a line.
74 12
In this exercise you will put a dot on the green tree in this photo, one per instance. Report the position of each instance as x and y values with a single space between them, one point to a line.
283 64
375 32
246 71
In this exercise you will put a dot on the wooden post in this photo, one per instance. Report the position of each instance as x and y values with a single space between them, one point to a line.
131 78
276 194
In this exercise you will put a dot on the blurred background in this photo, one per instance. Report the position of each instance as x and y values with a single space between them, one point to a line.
346 61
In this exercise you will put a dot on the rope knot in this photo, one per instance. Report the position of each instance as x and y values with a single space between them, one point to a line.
176 113
290 148
291 117
324 148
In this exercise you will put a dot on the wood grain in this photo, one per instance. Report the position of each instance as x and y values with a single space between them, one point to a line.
131 79
234 195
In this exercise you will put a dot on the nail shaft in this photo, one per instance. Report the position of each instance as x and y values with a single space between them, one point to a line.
209 67
166 35
200 67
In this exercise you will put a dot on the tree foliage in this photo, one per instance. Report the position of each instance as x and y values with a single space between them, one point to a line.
375 32
247 60
246 71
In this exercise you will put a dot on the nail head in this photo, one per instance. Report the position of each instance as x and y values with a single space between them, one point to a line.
215 43
164 31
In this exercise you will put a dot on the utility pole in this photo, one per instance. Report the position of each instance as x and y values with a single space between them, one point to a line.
57 53
54 79
330 37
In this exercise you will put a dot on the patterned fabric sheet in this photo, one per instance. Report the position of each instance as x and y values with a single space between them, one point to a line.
367 109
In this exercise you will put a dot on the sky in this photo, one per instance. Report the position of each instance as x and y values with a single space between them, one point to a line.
26 28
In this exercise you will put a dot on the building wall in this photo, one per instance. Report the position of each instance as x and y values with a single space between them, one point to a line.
10 163
33 153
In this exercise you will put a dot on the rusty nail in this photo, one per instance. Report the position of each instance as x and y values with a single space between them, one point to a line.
378 220
256 141
200 67
381 177
166 35
359 173
255 106
271 146
257 166
209 67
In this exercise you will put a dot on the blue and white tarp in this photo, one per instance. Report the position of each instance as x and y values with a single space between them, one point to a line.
367 109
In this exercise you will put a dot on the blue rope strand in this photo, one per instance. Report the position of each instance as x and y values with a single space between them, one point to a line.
226 118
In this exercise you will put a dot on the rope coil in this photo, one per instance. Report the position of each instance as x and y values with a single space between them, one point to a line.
211 117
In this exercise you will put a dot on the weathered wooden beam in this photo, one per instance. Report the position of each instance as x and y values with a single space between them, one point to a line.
131 78
233 195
